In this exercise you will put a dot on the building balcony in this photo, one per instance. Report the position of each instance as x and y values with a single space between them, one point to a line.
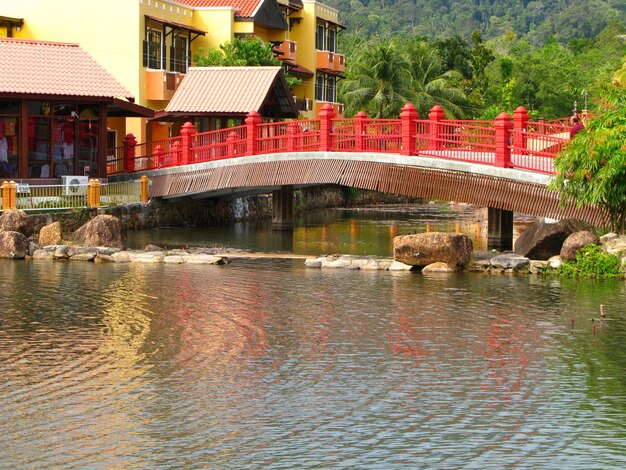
286 51
303 104
331 62
338 107
161 84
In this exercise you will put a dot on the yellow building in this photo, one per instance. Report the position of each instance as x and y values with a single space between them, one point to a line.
148 45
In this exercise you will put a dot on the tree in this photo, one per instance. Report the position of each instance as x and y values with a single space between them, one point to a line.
377 80
239 52
592 168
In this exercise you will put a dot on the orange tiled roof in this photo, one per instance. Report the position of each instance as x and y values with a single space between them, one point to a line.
223 90
244 8
54 68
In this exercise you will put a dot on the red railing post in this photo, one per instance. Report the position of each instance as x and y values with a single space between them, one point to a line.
130 142
326 116
159 153
176 151
436 116
230 144
359 131
293 128
520 125
187 132
408 116
503 126
253 119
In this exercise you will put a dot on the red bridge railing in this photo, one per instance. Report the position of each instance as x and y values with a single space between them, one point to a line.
508 142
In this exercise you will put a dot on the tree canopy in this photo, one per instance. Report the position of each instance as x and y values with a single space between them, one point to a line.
592 168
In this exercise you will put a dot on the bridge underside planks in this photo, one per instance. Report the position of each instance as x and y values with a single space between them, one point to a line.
481 190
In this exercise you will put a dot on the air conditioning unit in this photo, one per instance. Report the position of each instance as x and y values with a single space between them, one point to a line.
75 185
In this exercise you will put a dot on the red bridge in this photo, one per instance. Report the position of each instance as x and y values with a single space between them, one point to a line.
503 164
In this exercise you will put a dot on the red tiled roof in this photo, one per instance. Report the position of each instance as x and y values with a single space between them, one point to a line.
223 90
244 8
54 68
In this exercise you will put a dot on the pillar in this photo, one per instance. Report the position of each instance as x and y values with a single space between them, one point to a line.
503 126
436 117
144 188
253 119
282 208
499 229
326 116
187 133
520 126
408 116
359 131
130 142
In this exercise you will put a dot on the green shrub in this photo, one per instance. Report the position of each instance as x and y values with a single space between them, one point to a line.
592 261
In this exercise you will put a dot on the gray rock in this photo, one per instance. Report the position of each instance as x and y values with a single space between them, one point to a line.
13 245
540 241
43 254
423 249
84 256
51 234
61 252
575 242
313 263
174 259
353 267
16 220
438 268
509 261
206 259
151 247
398 266
555 261
102 230
536 266
102 258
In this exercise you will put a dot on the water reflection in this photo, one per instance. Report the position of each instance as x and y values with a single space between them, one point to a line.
267 364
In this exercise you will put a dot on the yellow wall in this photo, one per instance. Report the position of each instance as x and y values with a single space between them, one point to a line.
219 25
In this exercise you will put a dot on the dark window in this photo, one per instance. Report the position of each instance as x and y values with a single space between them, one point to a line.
331 89
319 87
332 40
319 37
179 56
154 49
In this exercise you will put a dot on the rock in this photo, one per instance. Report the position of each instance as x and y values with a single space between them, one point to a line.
555 261
32 246
575 241
398 266
174 259
148 258
614 243
337 263
536 266
540 241
151 247
483 255
206 259
13 245
102 258
423 249
51 234
353 267
107 250
84 256
43 254
509 261
438 268
16 221
61 252
119 257
313 263
102 230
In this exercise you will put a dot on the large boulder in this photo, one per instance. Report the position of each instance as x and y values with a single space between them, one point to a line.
423 249
16 221
102 230
13 245
576 241
50 234
541 241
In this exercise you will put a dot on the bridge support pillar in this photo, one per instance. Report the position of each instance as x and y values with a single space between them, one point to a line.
499 229
282 208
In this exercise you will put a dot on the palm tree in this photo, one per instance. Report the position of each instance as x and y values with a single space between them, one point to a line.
431 86
377 80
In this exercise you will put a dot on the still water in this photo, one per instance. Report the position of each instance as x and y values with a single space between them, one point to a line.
265 364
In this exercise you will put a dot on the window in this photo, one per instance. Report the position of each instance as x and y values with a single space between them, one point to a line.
331 89
179 55
319 37
153 49
319 87
332 40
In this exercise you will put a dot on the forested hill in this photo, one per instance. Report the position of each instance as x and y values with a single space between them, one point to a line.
436 19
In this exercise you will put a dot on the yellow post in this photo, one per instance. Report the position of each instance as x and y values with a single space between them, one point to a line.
144 188
97 192
12 195
90 191
5 195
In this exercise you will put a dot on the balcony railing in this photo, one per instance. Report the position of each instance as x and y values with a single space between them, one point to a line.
161 84
287 51
331 61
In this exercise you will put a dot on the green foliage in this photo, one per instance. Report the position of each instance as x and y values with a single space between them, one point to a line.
592 261
592 168
239 52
